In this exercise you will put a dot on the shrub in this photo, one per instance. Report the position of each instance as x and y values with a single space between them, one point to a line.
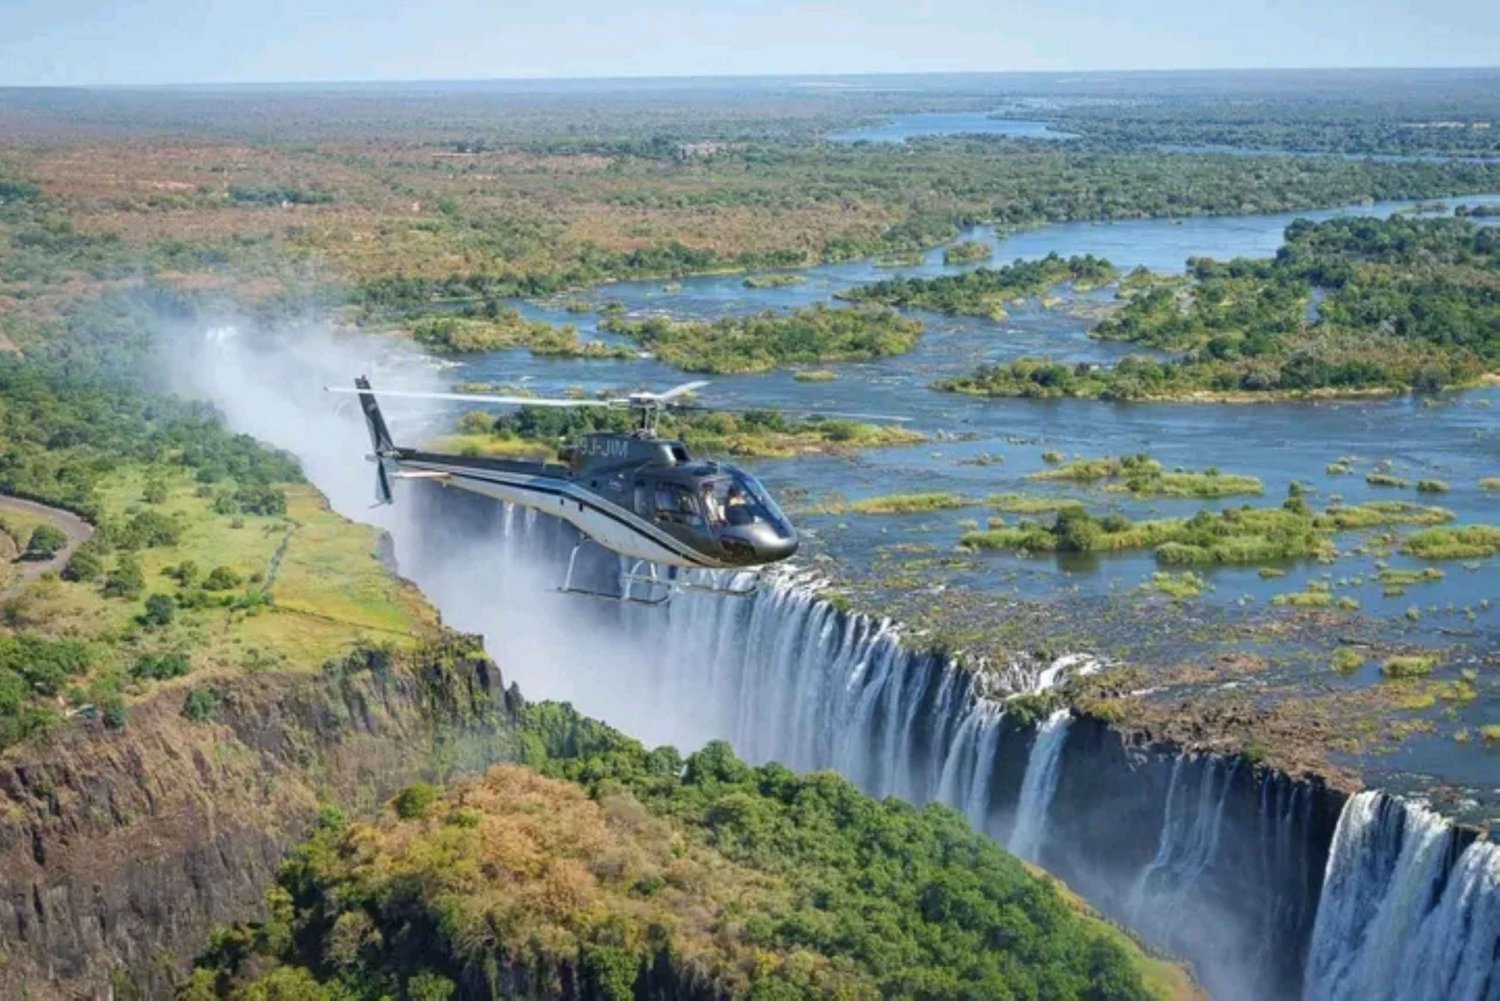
202 703
222 578
159 610
415 800
1432 486
125 580
86 563
160 667
148 529
46 542
1347 659
112 710
1409 666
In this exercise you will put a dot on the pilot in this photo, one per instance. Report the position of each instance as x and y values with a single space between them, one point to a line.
737 507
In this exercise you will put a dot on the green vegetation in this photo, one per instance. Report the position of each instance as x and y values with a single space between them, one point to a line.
1432 486
502 328
1406 305
1177 586
905 504
1347 660
46 541
773 281
967 252
815 375
1490 483
1013 503
1403 578
1243 535
1317 595
751 882
169 490
537 432
986 291
1409 666
1454 542
1444 119
1144 476
771 340
1386 480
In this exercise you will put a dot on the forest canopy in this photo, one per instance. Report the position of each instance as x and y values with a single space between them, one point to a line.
630 870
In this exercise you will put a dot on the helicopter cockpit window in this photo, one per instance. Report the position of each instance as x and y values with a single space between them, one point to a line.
677 505
738 500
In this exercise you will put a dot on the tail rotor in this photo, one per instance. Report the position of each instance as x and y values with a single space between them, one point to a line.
383 447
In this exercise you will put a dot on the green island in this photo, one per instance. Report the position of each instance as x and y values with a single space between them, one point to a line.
1244 535
625 870
986 291
1144 476
539 431
967 252
506 328
771 340
1398 304
1455 542
773 281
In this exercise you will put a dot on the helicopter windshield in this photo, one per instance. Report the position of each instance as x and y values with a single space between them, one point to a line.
739 500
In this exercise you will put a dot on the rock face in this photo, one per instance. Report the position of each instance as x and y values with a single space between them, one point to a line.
121 850
1208 857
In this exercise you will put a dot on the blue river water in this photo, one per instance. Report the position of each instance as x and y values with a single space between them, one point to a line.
979 447
941 123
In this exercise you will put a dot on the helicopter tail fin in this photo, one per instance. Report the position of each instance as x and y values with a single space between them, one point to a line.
383 446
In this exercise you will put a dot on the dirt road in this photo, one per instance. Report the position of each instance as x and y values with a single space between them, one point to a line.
76 529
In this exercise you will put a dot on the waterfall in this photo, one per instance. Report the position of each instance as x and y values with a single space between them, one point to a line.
1161 903
1037 788
1407 911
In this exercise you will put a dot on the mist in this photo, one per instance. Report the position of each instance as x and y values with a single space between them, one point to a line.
489 569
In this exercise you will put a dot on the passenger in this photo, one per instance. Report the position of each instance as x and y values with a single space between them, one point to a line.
711 507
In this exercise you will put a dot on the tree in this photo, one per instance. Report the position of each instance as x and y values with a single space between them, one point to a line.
126 579
159 609
222 578
46 542
86 563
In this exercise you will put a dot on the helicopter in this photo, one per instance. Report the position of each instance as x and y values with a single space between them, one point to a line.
635 494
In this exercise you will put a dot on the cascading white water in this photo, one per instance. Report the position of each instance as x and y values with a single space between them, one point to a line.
1404 914
1038 786
1192 824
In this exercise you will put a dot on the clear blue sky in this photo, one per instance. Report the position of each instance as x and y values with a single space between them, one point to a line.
220 41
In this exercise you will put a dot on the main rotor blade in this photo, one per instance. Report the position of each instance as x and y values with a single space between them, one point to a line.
676 391
522 401
794 413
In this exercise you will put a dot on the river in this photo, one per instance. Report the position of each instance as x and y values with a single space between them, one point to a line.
1453 438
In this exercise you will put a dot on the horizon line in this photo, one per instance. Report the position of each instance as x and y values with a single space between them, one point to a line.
687 77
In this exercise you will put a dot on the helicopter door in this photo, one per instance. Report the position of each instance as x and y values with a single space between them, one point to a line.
676 505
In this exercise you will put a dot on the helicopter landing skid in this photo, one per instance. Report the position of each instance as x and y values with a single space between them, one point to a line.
654 589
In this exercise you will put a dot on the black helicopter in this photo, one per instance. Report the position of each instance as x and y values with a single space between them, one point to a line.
641 496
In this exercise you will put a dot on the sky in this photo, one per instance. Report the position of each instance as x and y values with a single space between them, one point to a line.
87 42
